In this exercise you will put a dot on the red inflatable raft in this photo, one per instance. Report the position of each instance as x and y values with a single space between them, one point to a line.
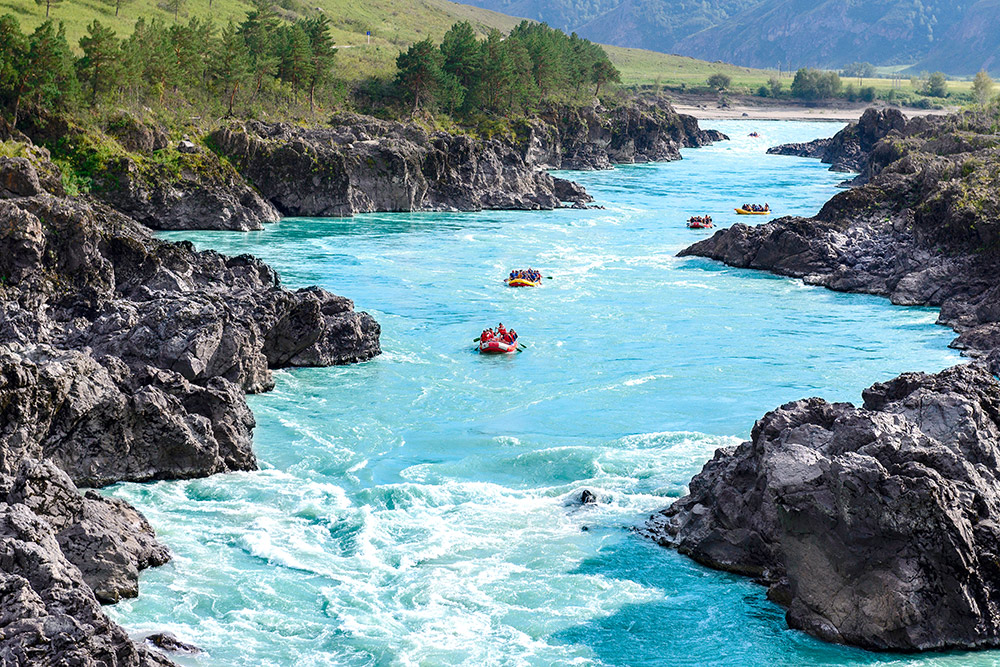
495 346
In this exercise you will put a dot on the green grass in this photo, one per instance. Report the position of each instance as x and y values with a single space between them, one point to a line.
641 68
394 24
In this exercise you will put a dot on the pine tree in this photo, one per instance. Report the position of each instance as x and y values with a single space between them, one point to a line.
118 4
462 58
259 31
174 7
603 72
323 55
150 52
51 80
13 62
492 85
521 89
99 63
419 71
296 57
230 64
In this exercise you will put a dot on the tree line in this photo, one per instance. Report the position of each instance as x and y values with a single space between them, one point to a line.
270 63
193 62
499 74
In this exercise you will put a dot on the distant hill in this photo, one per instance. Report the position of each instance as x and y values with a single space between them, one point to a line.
956 36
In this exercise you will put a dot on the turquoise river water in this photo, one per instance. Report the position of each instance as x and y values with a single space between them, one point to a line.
418 509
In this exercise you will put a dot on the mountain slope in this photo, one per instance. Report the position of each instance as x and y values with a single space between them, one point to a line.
971 45
655 24
830 33
956 36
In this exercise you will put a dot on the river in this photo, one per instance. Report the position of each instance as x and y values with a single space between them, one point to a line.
419 509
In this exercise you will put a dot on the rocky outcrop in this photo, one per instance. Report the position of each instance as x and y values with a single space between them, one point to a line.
924 231
849 149
195 190
59 552
125 358
135 169
107 539
596 137
360 164
122 357
875 526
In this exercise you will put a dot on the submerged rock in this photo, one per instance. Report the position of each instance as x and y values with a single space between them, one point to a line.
875 526
169 642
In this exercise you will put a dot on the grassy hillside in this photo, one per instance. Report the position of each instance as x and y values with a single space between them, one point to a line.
641 68
393 23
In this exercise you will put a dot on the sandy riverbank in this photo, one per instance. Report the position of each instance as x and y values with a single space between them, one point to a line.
710 110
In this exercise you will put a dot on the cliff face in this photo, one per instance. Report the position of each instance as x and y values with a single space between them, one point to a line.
134 168
850 149
361 164
877 526
122 358
597 138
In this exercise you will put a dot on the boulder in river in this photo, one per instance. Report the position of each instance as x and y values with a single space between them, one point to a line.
875 526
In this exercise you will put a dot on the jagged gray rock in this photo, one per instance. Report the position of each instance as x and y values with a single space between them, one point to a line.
48 614
924 231
875 526
595 137
361 164
342 170
850 148
122 358
107 539
170 337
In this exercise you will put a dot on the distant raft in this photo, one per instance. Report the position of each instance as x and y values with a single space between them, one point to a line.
743 211
522 282
494 346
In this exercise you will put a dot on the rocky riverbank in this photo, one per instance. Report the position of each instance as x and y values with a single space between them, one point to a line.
245 174
848 150
360 164
876 526
122 358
